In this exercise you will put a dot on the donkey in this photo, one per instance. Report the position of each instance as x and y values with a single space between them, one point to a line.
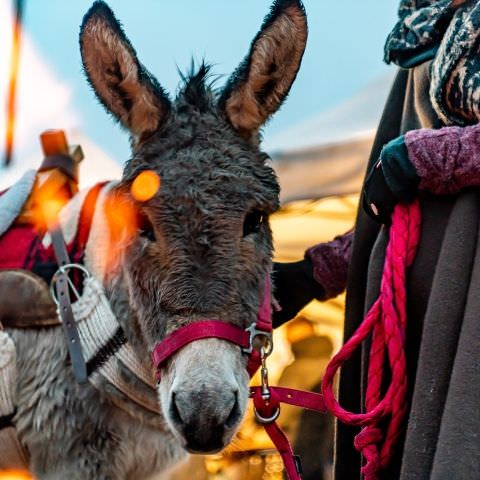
202 249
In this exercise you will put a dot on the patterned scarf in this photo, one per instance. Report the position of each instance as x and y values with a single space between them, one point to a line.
434 29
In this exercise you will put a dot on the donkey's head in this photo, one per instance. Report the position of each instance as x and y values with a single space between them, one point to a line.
203 246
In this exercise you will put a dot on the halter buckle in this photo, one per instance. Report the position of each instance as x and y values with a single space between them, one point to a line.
255 332
63 270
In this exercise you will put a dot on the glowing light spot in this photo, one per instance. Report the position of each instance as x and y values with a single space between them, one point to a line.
121 217
51 208
15 475
145 186
51 192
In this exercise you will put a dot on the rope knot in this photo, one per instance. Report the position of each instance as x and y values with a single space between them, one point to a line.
367 436
367 442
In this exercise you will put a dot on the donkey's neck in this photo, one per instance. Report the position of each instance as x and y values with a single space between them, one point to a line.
117 294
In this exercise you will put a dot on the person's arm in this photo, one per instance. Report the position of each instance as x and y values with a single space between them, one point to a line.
445 160
437 161
330 264
322 274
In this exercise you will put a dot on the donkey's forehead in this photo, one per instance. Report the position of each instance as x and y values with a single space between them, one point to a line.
236 186
194 158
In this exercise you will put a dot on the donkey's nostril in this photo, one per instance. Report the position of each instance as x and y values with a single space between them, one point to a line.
204 419
174 412
235 413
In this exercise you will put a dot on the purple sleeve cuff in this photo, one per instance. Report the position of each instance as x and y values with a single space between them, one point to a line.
330 263
446 160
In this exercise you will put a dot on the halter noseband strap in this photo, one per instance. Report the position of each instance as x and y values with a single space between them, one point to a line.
218 329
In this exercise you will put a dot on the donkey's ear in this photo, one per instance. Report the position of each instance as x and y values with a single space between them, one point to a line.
262 81
121 83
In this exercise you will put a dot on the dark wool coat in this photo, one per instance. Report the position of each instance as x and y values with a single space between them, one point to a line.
442 438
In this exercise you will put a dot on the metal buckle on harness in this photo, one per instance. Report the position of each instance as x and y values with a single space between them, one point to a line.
265 420
64 269
255 332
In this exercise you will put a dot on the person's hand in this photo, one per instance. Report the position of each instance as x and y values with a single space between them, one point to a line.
377 198
392 179
293 287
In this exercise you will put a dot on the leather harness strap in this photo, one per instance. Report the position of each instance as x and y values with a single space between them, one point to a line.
61 280
65 307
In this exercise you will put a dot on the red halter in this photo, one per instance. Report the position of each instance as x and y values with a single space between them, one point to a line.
266 399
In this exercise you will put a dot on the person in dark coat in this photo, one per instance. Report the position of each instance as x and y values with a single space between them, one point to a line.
427 146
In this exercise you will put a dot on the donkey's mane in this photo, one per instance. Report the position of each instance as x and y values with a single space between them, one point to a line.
197 88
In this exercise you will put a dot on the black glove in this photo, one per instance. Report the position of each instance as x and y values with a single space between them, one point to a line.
294 287
393 179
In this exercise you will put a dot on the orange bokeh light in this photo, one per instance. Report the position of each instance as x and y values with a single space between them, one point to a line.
121 217
15 475
51 192
51 208
145 186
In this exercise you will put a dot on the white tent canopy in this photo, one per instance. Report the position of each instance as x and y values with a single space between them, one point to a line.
326 154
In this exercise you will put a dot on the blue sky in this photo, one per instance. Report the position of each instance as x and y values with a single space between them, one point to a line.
344 50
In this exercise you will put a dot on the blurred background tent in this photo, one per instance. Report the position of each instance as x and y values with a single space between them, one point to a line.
325 154
319 143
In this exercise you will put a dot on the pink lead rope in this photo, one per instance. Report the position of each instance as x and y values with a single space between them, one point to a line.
386 321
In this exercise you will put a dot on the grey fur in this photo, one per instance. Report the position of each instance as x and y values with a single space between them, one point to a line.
201 264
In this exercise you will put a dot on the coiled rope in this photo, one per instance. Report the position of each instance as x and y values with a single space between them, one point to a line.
386 322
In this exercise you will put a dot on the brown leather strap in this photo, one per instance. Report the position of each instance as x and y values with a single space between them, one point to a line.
65 307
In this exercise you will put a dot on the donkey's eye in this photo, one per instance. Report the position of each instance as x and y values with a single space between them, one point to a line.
145 229
148 233
253 221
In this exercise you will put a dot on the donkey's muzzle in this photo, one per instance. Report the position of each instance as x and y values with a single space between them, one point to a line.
205 420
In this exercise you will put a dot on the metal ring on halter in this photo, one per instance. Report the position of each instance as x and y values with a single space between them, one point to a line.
254 332
64 270
265 420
